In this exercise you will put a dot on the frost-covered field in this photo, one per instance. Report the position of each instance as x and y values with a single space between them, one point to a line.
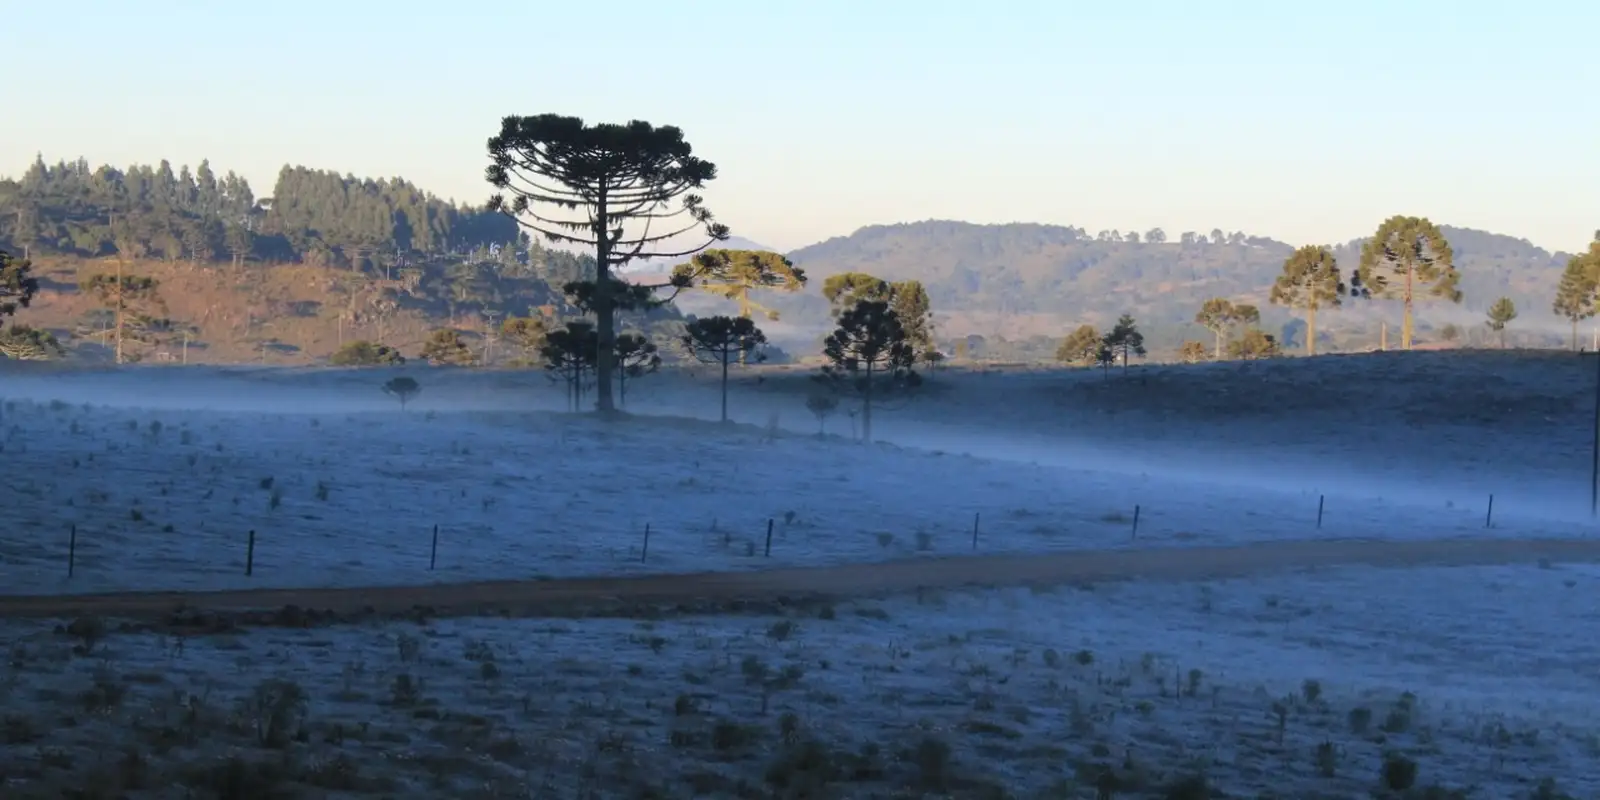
165 498
1298 686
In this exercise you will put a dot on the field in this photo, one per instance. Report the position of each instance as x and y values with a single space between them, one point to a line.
1228 637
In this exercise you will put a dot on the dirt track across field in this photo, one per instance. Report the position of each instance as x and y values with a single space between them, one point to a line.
730 590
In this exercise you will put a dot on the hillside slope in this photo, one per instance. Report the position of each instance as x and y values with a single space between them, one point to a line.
1026 279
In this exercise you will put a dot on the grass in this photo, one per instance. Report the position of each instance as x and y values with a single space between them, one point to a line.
811 702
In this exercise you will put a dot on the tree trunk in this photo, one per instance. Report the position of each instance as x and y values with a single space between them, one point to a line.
866 408
605 314
1311 331
1218 355
1406 321
725 355
1574 336
119 309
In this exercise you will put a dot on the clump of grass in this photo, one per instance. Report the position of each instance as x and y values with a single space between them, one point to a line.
1398 773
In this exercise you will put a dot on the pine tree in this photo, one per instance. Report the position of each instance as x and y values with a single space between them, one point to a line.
1579 290
1407 259
1500 315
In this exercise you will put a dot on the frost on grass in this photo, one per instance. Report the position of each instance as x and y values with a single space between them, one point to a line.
165 499
1329 685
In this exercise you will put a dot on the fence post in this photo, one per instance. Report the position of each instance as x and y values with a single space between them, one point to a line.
769 537
1321 500
433 551
975 530
72 550
1135 522
1488 517
250 556
644 552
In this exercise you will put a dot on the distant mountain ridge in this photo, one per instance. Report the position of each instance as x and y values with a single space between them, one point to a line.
1061 275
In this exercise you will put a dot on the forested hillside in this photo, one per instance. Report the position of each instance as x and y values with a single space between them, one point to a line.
1030 280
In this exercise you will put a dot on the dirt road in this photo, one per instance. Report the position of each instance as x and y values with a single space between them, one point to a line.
731 590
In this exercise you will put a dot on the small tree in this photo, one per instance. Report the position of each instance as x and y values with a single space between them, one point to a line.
1079 347
527 334
636 357
1126 340
366 354
1216 315
1192 352
723 340
1254 344
403 389
1310 281
569 356
445 347
869 355
1450 332
822 406
1105 355
1500 315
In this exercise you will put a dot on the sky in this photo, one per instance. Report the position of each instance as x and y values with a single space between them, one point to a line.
1309 122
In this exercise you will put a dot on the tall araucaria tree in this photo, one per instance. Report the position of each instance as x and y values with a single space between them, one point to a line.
610 187
870 355
1408 258
1310 281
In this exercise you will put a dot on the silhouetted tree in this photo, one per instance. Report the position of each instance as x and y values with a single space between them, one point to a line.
1310 281
362 353
615 177
1500 315
445 347
636 357
569 355
1126 340
822 406
1079 347
908 299
1408 257
723 340
402 388
870 355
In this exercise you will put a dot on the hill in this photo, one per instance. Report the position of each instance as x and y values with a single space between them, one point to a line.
1025 280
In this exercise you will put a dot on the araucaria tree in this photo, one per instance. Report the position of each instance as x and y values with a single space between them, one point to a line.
17 285
569 356
1219 315
403 389
636 357
1576 296
133 301
907 299
1408 258
1500 315
733 274
724 341
1125 340
870 354
610 187
1310 281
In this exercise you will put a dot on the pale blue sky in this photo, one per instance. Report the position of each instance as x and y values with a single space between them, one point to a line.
1305 121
